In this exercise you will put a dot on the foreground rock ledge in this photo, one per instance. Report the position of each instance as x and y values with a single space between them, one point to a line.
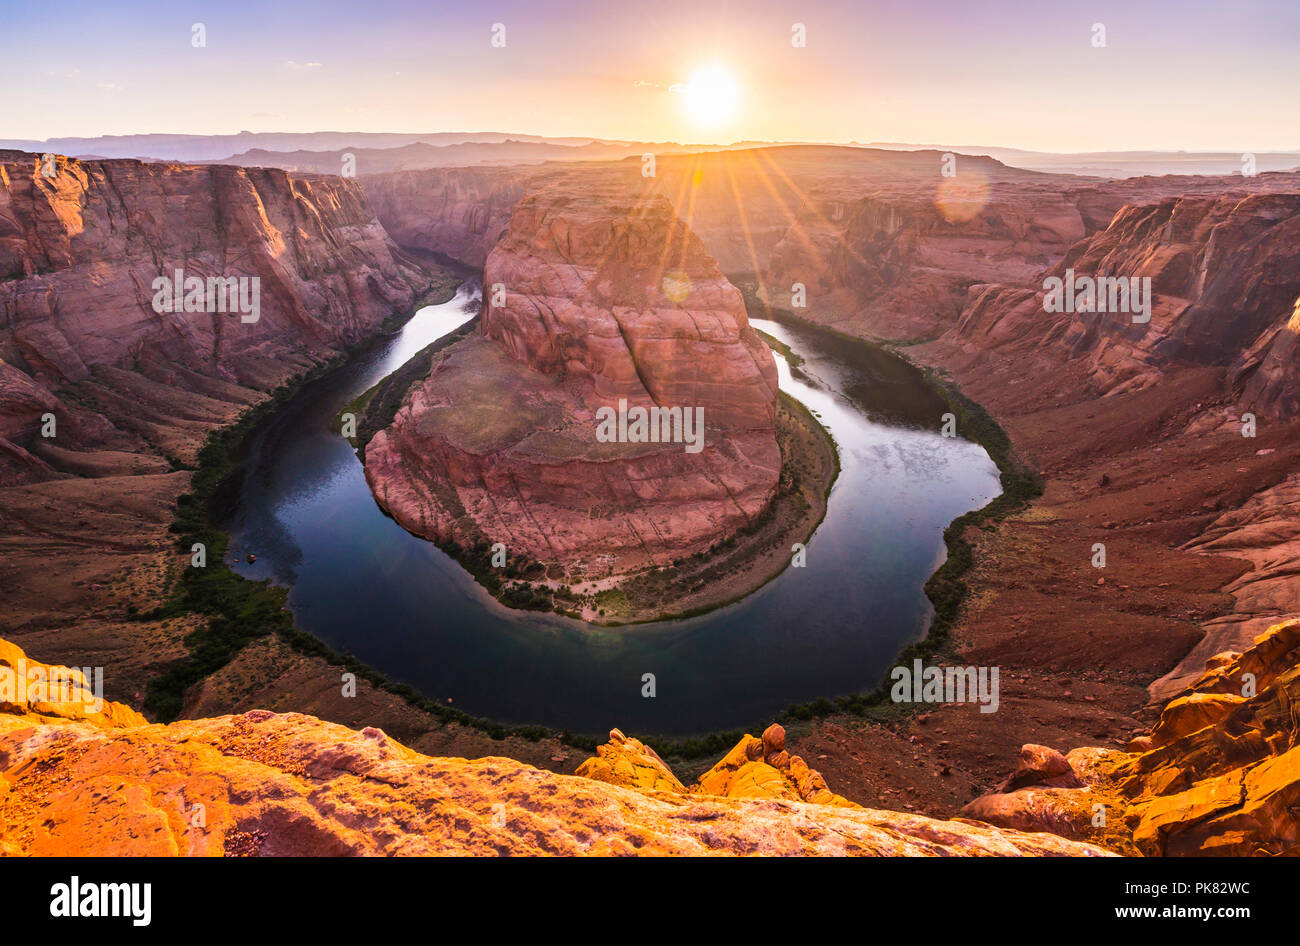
106 783
1218 775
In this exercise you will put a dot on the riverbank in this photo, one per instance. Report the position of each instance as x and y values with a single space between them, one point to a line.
1143 473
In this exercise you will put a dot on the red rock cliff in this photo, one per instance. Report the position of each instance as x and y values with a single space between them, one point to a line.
458 212
79 252
1225 277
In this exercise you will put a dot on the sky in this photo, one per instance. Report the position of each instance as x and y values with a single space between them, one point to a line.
1172 75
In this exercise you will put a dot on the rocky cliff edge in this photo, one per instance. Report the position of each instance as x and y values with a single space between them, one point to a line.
105 782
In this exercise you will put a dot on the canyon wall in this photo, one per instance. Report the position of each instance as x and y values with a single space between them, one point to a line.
1225 277
134 392
457 212
594 297
79 252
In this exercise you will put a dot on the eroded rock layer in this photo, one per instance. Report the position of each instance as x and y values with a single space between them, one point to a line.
597 299
457 212
1219 774
272 784
80 250
1224 273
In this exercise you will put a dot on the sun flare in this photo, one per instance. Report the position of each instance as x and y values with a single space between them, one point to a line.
712 95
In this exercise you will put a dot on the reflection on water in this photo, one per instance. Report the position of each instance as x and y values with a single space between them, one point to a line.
366 587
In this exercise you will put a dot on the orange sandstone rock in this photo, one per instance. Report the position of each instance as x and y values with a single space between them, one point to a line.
64 694
1218 775
286 784
630 763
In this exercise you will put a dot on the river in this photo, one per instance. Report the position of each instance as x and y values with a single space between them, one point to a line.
365 586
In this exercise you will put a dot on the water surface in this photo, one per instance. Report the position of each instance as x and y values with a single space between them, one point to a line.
367 587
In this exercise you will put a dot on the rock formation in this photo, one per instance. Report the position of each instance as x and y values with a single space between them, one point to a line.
80 250
1219 774
1225 274
1264 530
597 301
755 768
133 393
459 212
272 784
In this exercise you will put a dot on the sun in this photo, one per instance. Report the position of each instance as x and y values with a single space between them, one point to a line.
712 95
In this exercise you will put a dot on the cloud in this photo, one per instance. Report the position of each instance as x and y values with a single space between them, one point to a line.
300 66
647 84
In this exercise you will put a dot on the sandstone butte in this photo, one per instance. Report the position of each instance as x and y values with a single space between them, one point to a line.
109 783
608 298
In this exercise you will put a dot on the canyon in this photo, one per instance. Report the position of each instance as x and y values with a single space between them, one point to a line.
1120 687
